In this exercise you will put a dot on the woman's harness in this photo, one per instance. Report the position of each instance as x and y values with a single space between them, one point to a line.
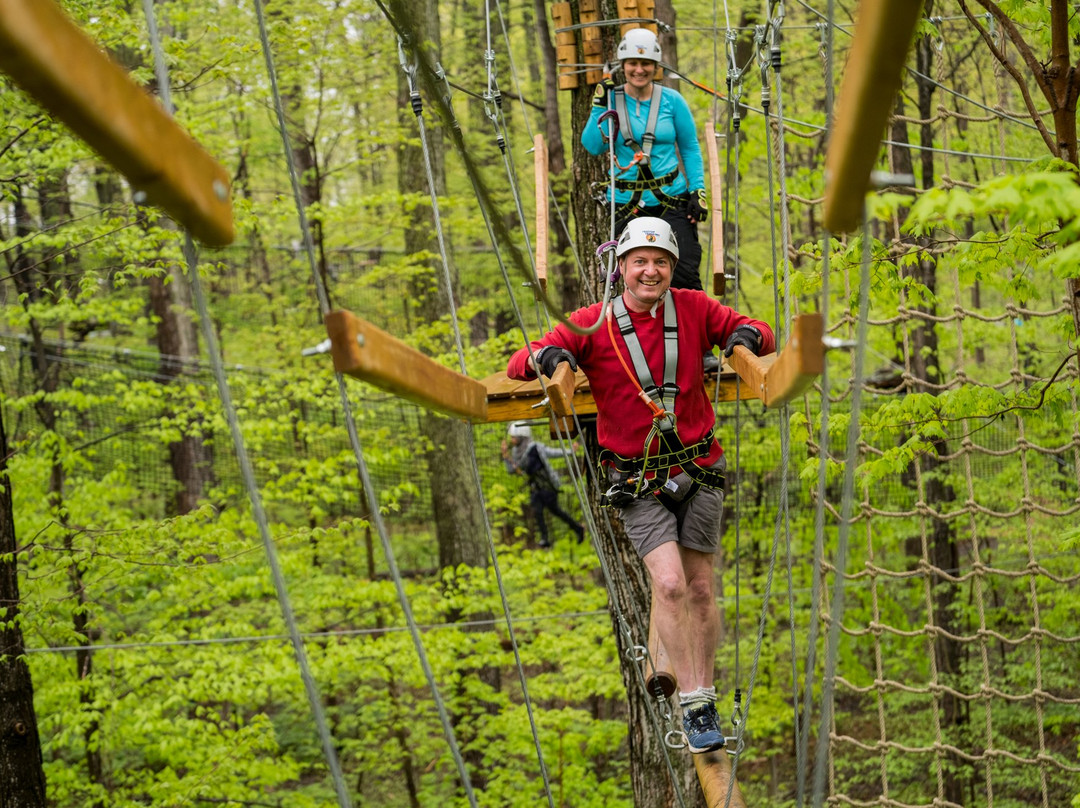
642 152
661 402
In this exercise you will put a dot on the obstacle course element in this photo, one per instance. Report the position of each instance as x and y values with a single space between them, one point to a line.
774 379
716 221
882 39
368 353
52 60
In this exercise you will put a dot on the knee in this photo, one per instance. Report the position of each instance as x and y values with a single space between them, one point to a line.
699 593
669 588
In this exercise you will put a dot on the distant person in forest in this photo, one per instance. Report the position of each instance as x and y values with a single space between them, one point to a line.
531 458
663 466
655 132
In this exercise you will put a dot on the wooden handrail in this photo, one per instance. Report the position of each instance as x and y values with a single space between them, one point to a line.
368 353
716 183
69 75
795 368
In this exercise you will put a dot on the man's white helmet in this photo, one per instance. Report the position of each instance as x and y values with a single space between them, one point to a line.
639 43
648 231
519 430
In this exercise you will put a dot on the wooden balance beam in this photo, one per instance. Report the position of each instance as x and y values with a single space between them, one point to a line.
883 35
774 379
57 64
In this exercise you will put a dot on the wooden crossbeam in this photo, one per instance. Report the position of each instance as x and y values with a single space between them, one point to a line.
714 774
368 353
795 368
883 35
65 71
774 378
512 400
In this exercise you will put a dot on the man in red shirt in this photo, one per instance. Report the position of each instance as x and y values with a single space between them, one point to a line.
664 466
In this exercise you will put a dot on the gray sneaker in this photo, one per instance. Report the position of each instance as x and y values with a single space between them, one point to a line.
701 723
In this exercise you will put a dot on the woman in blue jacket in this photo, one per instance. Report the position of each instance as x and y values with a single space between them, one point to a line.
656 129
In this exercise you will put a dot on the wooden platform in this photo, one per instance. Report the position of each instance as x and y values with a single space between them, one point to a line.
365 352
511 400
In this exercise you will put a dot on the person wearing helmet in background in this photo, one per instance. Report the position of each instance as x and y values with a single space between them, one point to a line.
656 129
529 457
654 423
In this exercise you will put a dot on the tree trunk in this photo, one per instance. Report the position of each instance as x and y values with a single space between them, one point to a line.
178 349
46 381
22 773
459 518
648 771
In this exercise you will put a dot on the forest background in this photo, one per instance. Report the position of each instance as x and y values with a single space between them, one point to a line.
929 561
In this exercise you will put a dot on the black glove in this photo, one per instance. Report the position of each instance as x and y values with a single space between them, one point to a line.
745 335
696 210
600 98
550 356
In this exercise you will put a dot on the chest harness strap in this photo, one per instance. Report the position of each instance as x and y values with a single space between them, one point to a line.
642 155
661 402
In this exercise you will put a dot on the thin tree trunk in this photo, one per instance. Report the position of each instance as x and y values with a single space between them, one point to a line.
22 772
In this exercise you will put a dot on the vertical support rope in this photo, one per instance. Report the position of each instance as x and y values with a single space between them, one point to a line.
247 473
350 423
816 583
410 72
836 611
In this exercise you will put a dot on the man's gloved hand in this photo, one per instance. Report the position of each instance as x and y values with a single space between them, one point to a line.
697 209
745 335
551 356
600 97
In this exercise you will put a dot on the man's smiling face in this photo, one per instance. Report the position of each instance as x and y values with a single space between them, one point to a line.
646 273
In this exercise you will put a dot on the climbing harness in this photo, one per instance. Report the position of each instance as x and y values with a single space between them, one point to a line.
645 180
630 473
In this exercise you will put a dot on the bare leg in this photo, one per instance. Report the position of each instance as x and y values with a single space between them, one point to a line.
703 613
671 617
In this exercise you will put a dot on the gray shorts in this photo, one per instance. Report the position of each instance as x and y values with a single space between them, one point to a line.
694 524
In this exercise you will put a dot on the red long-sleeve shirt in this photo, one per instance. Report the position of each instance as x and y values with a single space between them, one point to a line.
623 419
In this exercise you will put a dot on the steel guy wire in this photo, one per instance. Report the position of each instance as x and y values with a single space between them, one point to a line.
244 461
409 68
350 422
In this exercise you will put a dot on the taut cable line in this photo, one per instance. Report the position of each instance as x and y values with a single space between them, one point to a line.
246 470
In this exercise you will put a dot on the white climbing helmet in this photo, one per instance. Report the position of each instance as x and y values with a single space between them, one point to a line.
648 231
519 430
639 43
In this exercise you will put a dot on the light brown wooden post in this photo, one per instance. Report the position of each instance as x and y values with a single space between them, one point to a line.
70 76
370 354
560 390
592 49
565 46
795 368
883 35
540 170
716 184
628 9
647 10
714 774
659 678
